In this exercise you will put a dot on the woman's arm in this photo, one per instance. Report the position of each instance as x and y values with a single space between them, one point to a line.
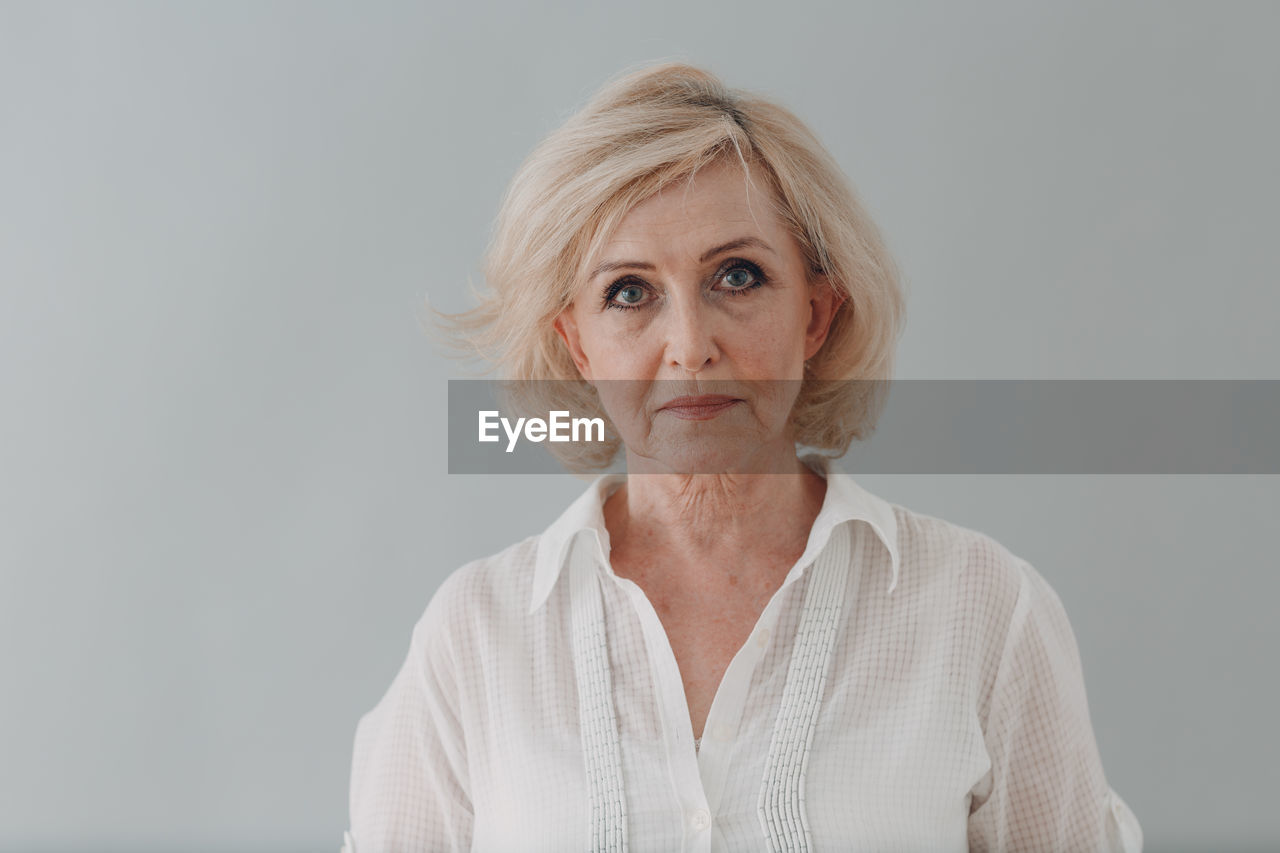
409 780
1046 789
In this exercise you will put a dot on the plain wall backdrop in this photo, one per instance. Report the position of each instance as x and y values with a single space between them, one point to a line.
223 490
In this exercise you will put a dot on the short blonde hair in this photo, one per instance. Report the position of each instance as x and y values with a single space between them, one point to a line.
646 128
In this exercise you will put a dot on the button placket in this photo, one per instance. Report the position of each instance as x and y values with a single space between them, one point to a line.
717 756
672 706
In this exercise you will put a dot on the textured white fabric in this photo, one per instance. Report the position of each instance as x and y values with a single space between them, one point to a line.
925 694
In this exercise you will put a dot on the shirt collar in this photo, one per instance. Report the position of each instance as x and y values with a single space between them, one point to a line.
845 501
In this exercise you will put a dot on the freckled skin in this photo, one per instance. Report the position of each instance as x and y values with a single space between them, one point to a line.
708 549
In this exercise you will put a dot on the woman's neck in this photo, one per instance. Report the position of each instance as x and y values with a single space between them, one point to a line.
712 533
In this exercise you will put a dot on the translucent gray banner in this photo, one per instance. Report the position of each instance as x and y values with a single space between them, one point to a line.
924 426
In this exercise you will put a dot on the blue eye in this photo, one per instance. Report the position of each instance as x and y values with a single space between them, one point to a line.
733 277
636 294
739 284
741 276
627 296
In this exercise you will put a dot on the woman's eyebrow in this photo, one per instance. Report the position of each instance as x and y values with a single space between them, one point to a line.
739 243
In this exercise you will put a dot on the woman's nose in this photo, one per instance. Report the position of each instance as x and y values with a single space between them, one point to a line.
691 343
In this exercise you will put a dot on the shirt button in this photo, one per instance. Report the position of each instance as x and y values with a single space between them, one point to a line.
762 638
700 820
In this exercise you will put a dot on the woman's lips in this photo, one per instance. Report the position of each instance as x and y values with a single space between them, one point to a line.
699 408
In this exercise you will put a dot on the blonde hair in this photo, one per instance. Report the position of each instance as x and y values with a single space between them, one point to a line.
646 128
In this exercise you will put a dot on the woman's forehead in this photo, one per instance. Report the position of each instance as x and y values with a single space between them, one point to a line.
719 192
678 227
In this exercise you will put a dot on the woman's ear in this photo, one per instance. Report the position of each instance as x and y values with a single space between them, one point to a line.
567 328
824 301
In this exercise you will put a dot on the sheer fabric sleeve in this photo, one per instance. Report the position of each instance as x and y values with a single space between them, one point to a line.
1046 790
409 780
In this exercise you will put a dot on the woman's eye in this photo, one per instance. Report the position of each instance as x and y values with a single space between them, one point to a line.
630 295
742 277
739 277
624 296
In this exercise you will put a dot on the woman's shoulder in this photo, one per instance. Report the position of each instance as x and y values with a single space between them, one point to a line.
492 586
970 582
973 564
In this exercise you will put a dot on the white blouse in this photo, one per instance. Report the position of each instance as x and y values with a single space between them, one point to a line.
912 685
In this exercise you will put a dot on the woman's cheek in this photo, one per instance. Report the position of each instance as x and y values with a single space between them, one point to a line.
768 357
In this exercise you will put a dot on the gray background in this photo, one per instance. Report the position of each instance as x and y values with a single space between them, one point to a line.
222 468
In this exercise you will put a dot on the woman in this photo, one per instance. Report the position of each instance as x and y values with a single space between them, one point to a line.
731 646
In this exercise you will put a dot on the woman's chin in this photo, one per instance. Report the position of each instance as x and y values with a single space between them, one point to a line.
698 456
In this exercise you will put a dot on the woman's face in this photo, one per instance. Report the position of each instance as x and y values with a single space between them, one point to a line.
699 294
